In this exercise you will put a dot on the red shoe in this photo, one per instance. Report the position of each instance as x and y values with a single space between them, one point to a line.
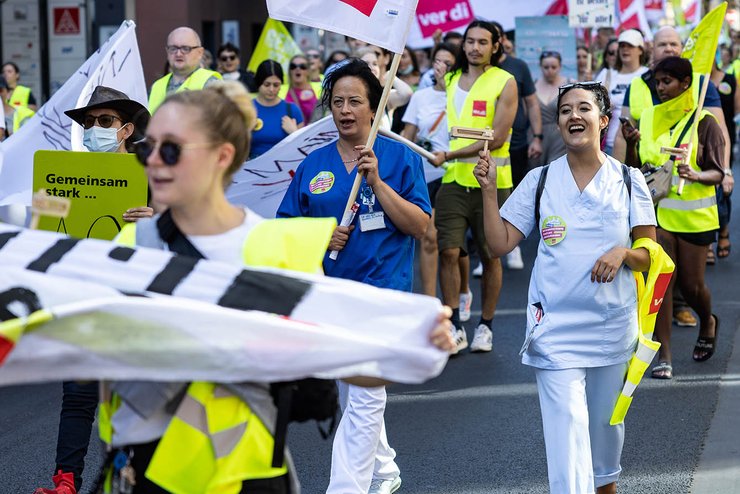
64 483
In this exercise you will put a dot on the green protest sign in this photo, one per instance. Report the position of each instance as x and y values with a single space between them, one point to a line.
100 186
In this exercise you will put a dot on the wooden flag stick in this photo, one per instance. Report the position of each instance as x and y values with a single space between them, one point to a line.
414 147
46 205
694 127
349 210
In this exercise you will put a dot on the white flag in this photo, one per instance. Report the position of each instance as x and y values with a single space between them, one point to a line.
383 23
261 183
116 64
203 319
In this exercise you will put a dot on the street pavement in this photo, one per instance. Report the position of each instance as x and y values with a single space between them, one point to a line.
477 427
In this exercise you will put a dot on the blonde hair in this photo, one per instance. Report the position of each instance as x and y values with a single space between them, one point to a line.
227 114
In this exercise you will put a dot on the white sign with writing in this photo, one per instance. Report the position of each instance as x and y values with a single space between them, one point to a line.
591 13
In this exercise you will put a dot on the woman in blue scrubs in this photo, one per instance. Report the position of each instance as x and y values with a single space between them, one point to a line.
393 210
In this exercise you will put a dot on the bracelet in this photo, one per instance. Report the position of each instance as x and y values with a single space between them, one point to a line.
728 172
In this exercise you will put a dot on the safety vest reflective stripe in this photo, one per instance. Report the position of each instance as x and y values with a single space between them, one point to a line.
20 96
688 205
698 213
196 80
650 296
478 112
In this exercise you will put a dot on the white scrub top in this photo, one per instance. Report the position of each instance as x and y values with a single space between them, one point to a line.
571 321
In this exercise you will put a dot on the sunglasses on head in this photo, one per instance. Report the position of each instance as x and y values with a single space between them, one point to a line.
169 151
550 53
104 121
588 85
301 66
227 58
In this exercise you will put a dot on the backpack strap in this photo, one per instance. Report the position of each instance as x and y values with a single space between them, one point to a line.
627 180
175 239
538 195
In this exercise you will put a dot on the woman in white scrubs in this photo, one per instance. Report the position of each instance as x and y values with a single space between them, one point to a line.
582 308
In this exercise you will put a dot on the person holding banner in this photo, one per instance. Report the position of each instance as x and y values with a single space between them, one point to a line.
112 121
184 55
479 95
687 223
582 322
393 209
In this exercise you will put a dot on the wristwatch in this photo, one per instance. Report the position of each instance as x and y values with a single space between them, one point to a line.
728 172
538 136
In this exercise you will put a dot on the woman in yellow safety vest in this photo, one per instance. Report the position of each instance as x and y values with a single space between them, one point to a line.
18 95
687 222
202 437
15 116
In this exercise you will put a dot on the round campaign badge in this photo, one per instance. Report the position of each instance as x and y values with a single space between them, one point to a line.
321 183
554 230
724 88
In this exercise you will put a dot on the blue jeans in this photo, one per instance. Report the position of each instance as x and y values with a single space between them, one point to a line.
79 402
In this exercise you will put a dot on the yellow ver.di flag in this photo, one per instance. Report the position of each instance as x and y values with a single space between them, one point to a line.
275 43
672 111
702 43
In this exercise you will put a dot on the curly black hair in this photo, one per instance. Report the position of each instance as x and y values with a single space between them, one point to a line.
352 67
601 97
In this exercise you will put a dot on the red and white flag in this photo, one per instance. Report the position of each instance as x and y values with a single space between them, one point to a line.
632 16
383 23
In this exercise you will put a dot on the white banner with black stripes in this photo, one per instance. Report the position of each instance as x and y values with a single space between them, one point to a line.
197 319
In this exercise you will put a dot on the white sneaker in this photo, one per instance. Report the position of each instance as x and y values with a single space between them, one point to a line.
514 259
466 301
461 340
381 486
478 271
483 339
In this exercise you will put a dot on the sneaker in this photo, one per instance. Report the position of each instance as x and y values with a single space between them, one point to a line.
64 483
483 339
514 259
466 301
478 271
381 486
684 318
461 340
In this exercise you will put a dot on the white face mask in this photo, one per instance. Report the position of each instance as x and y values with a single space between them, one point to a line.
100 140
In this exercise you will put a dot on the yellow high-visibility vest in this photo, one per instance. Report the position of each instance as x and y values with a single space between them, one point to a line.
20 96
695 210
478 111
215 442
650 295
196 80
20 116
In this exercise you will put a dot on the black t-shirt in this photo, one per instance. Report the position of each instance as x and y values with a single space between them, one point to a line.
519 69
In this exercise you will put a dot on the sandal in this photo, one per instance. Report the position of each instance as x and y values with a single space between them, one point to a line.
664 370
711 260
723 248
706 345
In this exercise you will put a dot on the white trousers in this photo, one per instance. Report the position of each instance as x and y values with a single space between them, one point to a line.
360 451
583 450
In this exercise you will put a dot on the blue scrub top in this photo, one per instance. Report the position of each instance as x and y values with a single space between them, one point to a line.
272 131
320 188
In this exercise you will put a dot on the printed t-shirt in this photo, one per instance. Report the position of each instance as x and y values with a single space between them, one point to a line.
573 321
320 188
272 131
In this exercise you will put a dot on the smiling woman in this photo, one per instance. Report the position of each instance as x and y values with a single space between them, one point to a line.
582 318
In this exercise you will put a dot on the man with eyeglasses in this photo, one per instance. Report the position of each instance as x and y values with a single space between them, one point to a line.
184 53
229 65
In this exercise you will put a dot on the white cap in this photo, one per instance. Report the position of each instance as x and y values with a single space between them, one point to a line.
632 37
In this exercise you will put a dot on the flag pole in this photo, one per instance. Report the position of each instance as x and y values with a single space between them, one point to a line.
694 128
349 209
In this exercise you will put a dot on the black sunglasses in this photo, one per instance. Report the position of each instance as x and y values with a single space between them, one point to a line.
301 66
104 121
611 53
227 58
169 152
589 85
548 54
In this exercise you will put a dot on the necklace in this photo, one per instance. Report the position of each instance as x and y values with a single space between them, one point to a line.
350 161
